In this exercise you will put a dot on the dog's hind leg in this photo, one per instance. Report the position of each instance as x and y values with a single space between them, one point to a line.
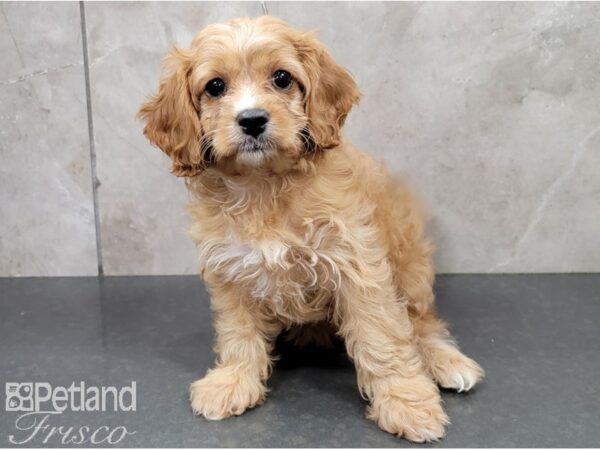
448 366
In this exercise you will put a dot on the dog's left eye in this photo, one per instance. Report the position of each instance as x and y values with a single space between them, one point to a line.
282 79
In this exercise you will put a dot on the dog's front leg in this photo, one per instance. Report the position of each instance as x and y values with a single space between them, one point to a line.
379 338
243 345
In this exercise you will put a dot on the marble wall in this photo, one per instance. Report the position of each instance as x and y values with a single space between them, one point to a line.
491 110
46 205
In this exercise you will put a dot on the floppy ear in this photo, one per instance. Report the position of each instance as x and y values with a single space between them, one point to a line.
172 121
329 94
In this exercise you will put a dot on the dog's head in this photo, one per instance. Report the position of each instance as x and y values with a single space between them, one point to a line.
253 93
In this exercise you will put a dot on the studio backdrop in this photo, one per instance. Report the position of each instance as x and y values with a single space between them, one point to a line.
490 111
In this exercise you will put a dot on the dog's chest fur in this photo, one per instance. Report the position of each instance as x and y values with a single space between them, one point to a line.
295 274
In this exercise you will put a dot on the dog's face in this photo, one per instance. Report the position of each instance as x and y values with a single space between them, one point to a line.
249 95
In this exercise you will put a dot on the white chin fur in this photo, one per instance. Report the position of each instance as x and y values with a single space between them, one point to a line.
252 158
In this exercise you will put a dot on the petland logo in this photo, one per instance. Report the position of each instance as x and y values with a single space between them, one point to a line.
39 402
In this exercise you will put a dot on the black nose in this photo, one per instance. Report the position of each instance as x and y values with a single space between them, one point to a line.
253 121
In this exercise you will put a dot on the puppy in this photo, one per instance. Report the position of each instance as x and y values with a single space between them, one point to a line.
298 230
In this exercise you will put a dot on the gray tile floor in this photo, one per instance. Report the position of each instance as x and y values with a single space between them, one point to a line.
537 336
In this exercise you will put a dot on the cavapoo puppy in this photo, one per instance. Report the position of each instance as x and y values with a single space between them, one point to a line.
296 229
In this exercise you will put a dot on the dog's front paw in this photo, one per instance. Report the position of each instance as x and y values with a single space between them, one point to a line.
224 393
412 411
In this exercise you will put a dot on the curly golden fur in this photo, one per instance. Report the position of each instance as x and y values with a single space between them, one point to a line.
298 230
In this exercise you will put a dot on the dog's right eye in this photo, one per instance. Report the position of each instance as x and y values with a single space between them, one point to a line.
215 87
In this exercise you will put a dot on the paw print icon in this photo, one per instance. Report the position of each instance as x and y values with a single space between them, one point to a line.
19 396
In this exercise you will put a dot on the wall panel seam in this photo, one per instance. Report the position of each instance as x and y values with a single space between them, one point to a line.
95 181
